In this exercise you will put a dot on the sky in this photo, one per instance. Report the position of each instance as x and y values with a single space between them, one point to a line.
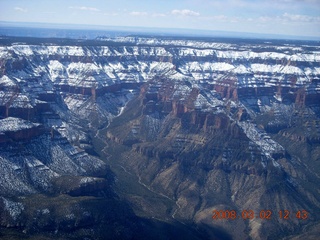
285 17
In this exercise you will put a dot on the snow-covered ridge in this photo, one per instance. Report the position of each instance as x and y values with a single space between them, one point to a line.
212 50
138 60
206 43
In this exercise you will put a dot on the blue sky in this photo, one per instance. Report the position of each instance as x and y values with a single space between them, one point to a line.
289 17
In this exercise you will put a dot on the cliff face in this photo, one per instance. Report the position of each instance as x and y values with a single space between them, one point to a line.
210 125
225 156
15 129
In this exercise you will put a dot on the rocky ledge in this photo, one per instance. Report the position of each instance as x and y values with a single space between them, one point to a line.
16 129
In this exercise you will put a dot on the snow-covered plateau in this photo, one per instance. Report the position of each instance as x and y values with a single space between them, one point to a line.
100 66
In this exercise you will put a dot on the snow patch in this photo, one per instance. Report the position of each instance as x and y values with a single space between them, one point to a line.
14 208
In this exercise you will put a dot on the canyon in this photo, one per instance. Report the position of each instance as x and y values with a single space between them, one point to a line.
145 137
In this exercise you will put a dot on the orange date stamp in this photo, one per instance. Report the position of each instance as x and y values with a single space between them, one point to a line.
262 214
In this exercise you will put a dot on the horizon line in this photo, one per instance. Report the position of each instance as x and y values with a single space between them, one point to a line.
149 30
